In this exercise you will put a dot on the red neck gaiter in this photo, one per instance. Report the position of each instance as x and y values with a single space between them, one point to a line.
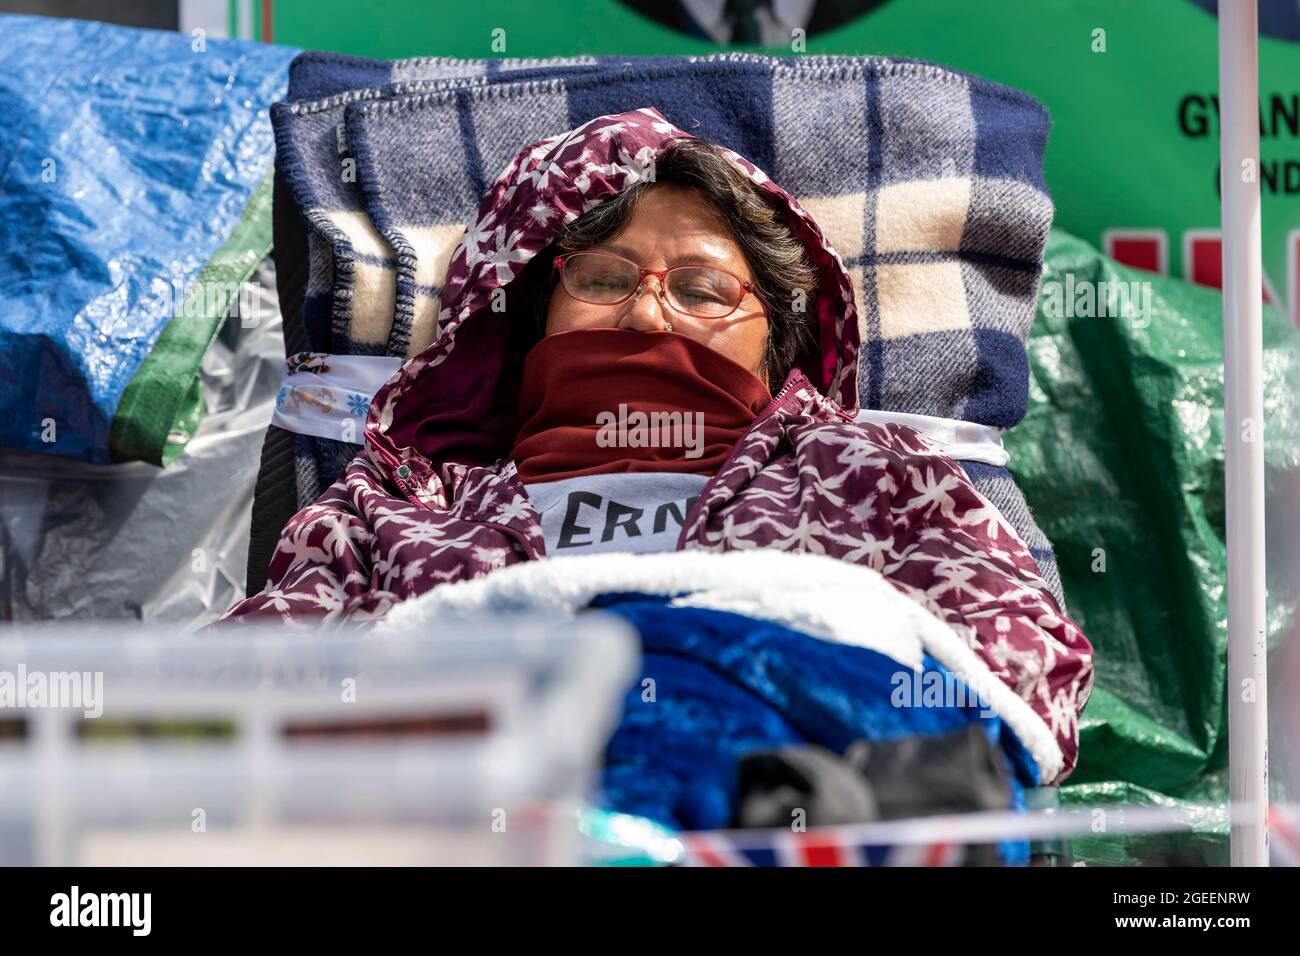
599 401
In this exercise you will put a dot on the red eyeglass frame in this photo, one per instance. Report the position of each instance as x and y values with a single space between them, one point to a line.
557 266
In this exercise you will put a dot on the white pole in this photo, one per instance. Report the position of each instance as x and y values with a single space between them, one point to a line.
1243 405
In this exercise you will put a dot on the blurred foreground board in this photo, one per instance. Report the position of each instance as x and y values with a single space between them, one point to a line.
471 746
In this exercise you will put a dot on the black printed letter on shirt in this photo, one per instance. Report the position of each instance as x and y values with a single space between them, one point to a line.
571 527
621 516
662 513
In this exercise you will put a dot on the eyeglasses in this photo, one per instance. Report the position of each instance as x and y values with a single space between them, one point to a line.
599 278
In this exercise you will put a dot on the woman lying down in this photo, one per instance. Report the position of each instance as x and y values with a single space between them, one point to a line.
642 398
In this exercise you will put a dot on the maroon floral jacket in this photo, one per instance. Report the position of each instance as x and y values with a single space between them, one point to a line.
432 499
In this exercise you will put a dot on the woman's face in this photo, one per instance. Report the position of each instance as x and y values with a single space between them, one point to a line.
672 226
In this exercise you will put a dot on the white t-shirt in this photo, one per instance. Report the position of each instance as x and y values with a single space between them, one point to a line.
629 511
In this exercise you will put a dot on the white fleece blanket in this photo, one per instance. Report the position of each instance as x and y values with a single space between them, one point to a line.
816 595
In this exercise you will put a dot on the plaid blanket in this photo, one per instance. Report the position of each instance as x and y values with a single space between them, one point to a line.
349 305
927 182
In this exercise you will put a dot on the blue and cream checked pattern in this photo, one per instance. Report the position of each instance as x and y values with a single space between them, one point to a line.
349 305
928 183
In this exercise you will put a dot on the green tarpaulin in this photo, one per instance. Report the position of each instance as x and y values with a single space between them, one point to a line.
1121 460
162 406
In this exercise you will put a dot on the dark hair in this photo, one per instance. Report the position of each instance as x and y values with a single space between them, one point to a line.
777 258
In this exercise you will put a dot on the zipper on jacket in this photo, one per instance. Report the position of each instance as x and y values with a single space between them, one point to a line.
400 476
398 470
776 400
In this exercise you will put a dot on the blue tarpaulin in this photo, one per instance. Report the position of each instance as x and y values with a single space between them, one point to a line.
127 158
